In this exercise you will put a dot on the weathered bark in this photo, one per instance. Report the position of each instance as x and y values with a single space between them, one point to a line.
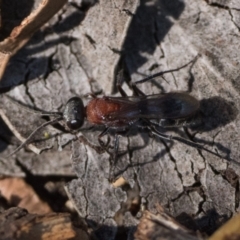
79 58
161 226
14 36
17 223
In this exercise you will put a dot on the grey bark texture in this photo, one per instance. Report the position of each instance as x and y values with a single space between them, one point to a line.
80 52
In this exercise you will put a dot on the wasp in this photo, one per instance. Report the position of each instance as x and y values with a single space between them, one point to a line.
151 112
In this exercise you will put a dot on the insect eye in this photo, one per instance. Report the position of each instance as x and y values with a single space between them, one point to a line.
74 124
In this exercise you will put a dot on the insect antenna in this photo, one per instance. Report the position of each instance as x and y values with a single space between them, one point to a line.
58 116
33 133
31 110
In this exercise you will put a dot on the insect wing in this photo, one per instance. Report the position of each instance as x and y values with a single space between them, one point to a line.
173 105
129 107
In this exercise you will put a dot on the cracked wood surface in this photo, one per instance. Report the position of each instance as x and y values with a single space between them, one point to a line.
193 186
19 21
161 226
22 225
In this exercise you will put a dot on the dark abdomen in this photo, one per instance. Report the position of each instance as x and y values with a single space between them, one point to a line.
169 106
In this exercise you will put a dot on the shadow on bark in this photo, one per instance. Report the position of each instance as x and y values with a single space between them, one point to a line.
16 72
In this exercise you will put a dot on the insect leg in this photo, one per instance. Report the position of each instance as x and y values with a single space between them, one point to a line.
33 133
98 149
116 145
168 71
121 91
120 80
155 132
101 143
114 157
137 91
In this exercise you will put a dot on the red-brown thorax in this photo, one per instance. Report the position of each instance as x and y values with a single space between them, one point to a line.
98 110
